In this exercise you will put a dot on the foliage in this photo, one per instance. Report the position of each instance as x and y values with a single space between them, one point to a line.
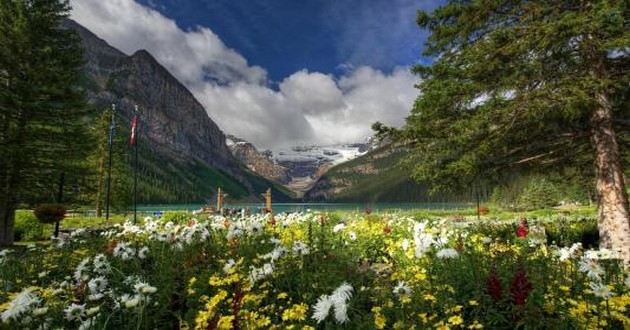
532 192
539 194
512 86
50 213
310 270
42 135
159 180
377 177
177 217
29 228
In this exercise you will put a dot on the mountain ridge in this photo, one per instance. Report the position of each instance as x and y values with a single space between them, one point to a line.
183 147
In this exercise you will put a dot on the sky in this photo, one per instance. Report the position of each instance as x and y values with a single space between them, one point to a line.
278 72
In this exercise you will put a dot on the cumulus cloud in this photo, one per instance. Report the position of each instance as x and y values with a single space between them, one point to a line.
306 108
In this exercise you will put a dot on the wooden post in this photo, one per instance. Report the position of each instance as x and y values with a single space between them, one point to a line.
268 200
219 200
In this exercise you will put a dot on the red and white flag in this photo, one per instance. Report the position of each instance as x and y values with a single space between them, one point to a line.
134 127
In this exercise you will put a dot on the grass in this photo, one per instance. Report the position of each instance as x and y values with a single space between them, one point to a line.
28 228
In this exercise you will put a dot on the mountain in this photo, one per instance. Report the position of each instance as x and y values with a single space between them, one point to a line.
297 167
306 164
183 153
376 176
261 163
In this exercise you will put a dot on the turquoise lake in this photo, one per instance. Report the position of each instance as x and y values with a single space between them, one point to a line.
302 207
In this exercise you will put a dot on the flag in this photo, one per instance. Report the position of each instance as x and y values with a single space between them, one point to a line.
134 127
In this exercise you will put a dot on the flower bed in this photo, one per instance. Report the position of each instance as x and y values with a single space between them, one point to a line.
311 271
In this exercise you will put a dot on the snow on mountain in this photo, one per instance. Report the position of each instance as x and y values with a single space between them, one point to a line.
307 163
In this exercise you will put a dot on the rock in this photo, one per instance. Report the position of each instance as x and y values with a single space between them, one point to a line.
176 127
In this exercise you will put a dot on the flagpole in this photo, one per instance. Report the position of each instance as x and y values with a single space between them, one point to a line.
135 175
109 166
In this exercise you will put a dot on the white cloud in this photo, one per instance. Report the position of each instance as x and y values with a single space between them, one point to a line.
308 107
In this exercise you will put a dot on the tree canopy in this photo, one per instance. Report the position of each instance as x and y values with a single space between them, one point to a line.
42 106
526 84
512 85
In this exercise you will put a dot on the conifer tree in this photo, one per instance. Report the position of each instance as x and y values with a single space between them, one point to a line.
42 107
527 84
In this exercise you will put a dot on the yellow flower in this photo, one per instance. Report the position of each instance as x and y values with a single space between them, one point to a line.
455 320
223 280
263 322
379 320
429 297
398 325
225 322
296 313
421 276
441 326
282 295
475 325
473 303
204 316
191 283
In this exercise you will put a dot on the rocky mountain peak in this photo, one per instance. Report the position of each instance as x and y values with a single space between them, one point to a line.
176 128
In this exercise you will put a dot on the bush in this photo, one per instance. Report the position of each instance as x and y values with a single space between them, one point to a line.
483 210
28 228
176 216
50 213
539 193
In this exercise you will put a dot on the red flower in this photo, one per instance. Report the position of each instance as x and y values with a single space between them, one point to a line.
520 287
522 231
493 285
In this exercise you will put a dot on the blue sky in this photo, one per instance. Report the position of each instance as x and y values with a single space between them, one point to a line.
284 36
278 73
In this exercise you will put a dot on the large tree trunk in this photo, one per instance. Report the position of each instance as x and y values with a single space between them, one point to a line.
613 211
7 220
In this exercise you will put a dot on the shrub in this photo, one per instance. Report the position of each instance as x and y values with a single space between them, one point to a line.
28 228
539 193
176 216
483 210
50 213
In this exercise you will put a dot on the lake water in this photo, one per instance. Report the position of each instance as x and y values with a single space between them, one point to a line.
301 207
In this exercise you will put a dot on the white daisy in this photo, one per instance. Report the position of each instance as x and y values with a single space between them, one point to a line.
300 248
405 244
402 289
101 266
338 299
229 265
142 253
339 227
322 308
21 304
80 274
130 301
144 288
592 269
40 311
422 242
97 284
75 312
600 290
447 253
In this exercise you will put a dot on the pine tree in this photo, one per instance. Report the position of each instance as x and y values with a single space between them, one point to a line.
530 85
42 107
